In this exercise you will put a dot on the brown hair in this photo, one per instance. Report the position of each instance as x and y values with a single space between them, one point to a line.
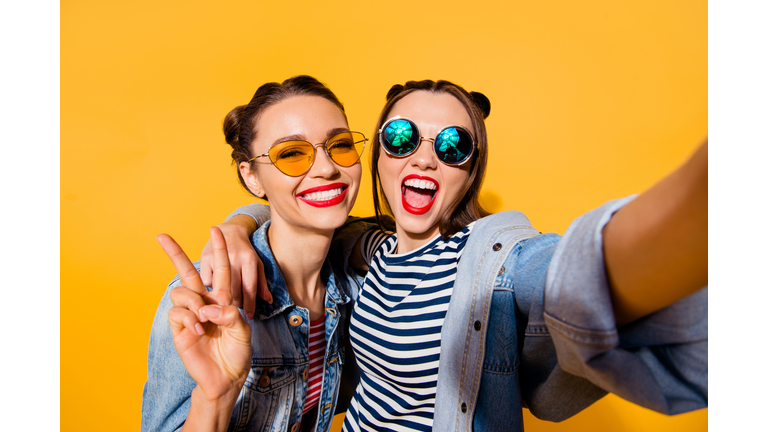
240 123
466 208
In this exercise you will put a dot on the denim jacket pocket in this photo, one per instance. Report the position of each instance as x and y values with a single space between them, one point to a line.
266 397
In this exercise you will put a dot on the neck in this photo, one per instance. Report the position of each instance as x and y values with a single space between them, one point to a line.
300 254
408 241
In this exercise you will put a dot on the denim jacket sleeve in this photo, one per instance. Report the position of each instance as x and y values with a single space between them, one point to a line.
259 213
166 399
658 362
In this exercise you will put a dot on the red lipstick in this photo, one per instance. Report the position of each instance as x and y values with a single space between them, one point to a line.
404 190
317 201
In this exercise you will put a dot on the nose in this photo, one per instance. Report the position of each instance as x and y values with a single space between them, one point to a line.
323 166
425 157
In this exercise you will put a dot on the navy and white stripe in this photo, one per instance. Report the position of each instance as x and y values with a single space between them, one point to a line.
370 242
395 332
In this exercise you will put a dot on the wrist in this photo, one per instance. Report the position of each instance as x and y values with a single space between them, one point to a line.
240 223
220 398
210 412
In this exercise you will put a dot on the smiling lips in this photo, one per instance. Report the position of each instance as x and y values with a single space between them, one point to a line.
418 193
324 196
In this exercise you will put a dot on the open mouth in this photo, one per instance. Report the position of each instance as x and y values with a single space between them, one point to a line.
324 196
418 193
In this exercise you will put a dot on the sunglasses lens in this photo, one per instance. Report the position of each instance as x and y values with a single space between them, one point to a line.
400 137
453 145
293 158
346 148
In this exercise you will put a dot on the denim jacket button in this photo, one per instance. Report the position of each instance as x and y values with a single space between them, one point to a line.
295 427
264 381
295 320
305 374
478 325
496 247
501 271
464 407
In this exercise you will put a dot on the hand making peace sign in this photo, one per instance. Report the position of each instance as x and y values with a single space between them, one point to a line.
211 337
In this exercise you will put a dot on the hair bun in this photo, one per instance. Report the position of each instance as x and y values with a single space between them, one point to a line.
232 123
397 88
482 102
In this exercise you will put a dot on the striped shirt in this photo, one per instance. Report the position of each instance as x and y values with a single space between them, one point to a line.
395 332
316 354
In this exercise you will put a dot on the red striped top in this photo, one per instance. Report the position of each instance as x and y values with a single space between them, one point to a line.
316 361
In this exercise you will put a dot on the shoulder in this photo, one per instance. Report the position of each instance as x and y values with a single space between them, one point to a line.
501 227
502 220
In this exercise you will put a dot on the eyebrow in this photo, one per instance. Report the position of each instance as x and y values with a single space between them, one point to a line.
300 137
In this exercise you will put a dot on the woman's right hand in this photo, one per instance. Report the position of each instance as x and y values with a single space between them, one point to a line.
247 278
211 337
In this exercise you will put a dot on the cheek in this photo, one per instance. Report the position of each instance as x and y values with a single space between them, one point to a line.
277 185
388 170
457 179
357 173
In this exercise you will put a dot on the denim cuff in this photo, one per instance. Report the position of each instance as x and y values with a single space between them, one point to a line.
659 361
577 300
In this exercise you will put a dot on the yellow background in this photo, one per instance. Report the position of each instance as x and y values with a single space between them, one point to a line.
591 100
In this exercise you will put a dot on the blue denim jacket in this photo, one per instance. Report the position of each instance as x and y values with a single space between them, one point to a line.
530 324
272 398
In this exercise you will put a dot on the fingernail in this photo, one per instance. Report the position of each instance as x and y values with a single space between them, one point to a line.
211 311
249 315
199 329
270 300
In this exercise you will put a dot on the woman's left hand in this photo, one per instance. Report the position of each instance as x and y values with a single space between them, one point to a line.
211 337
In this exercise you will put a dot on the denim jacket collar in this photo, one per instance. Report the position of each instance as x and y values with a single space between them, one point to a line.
281 299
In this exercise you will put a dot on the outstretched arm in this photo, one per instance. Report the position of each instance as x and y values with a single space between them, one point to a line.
656 246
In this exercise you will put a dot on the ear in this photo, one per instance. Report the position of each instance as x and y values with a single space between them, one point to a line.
251 179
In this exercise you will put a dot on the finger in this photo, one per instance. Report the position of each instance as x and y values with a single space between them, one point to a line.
229 316
206 264
237 292
188 299
187 272
249 290
182 318
221 270
262 284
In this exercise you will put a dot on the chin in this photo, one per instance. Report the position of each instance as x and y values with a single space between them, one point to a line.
416 225
329 221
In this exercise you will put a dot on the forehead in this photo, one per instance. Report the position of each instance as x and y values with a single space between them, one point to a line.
309 117
432 110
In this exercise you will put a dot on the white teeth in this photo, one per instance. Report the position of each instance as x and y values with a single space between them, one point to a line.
322 196
421 184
